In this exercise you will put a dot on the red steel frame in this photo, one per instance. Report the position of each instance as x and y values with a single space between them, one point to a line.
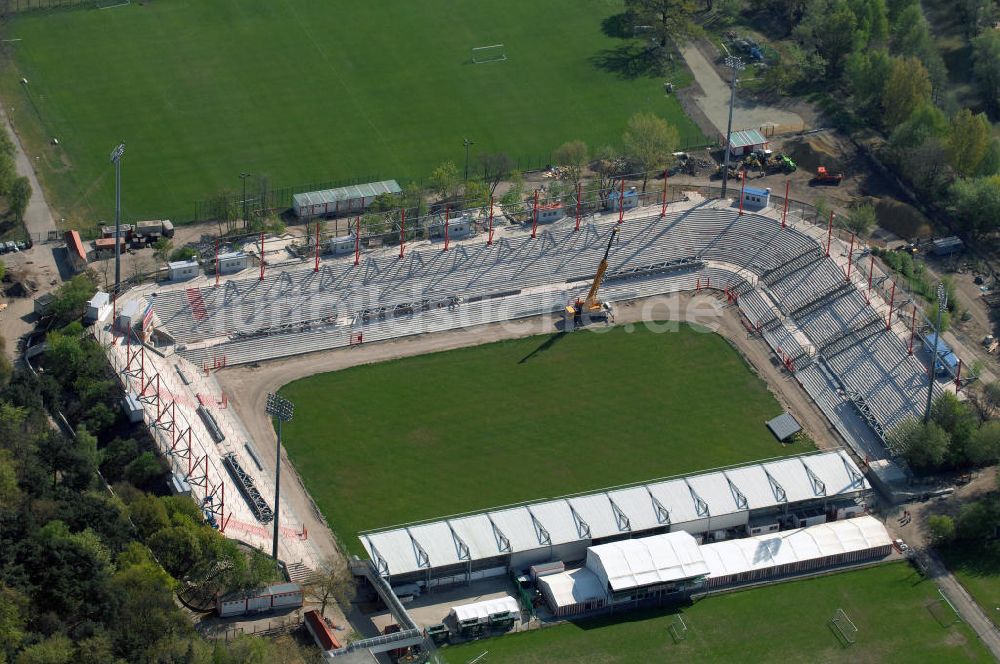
913 331
743 186
850 258
216 261
489 239
446 222
316 267
829 234
402 231
892 301
663 208
534 216
577 207
357 242
621 202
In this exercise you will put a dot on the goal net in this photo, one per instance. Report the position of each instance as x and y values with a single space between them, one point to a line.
845 627
492 53
678 629
109 4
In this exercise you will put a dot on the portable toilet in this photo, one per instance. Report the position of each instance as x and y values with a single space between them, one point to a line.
344 244
755 198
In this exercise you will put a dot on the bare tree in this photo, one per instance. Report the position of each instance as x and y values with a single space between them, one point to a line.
609 164
572 158
496 168
650 142
333 581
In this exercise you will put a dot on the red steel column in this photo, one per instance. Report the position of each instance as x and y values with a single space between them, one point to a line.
534 216
402 231
784 213
489 241
913 330
621 202
850 257
892 300
262 257
743 186
216 261
316 268
829 233
357 242
663 208
446 222
577 207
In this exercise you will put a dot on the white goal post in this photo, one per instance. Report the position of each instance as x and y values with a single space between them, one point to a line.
491 53
845 626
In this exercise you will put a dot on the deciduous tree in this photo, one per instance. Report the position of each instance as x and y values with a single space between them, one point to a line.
969 139
907 88
649 142
572 158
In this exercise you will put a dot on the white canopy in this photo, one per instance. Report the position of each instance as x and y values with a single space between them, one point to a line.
576 586
641 562
484 609
791 546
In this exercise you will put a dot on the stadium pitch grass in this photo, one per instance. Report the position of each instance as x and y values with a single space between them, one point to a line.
519 420
787 622
978 570
307 92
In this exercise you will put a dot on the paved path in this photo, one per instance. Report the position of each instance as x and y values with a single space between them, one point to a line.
38 218
967 607
715 98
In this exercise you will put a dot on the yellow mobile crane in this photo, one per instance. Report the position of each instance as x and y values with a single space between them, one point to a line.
584 311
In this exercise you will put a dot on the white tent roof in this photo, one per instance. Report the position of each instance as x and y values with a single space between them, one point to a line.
627 510
791 546
640 562
573 587
485 609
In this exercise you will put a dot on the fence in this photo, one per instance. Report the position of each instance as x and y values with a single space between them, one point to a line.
18 6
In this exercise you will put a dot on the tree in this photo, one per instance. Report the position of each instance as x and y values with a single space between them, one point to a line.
444 180
162 248
496 167
861 219
923 446
986 68
968 140
183 254
794 67
333 580
572 158
70 299
992 393
866 73
984 444
828 27
56 649
977 520
609 164
911 37
976 203
907 88
672 20
650 142
144 469
959 422
13 606
20 194
942 528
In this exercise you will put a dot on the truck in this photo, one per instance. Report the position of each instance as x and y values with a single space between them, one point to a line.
152 229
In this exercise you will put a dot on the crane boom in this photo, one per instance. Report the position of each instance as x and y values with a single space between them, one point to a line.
591 302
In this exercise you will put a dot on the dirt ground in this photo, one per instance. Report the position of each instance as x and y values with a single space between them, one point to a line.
248 386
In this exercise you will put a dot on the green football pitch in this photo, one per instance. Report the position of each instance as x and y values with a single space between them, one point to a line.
788 622
520 420
304 91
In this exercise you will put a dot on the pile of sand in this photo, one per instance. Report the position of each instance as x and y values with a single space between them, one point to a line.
901 219
813 151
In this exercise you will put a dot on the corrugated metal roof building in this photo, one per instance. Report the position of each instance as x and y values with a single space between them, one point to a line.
342 200
746 141
722 503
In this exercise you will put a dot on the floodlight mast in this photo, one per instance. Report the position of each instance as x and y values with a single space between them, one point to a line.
736 65
116 159
282 410
942 302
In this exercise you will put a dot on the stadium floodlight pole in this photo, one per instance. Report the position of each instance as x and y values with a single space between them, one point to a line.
942 302
282 410
244 176
116 159
467 143
736 65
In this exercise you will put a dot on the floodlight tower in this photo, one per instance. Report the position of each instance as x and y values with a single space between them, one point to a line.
736 65
281 409
942 302
116 159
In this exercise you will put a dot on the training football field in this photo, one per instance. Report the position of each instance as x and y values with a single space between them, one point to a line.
309 92
480 427
788 622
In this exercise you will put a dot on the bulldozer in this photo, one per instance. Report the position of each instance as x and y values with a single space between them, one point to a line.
825 177
580 312
781 163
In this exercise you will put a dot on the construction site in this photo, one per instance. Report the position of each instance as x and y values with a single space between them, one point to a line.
809 297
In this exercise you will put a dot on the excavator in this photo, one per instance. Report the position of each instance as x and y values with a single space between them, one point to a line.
581 312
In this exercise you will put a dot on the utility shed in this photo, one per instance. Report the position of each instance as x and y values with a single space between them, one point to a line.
182 270
630 199
755 198
746 141
346 200
947 245
784 426
343 244
574 591
231 262
98 307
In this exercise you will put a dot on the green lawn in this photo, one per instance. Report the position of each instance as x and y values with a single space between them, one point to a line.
787 622
977 567
511 421
306 91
